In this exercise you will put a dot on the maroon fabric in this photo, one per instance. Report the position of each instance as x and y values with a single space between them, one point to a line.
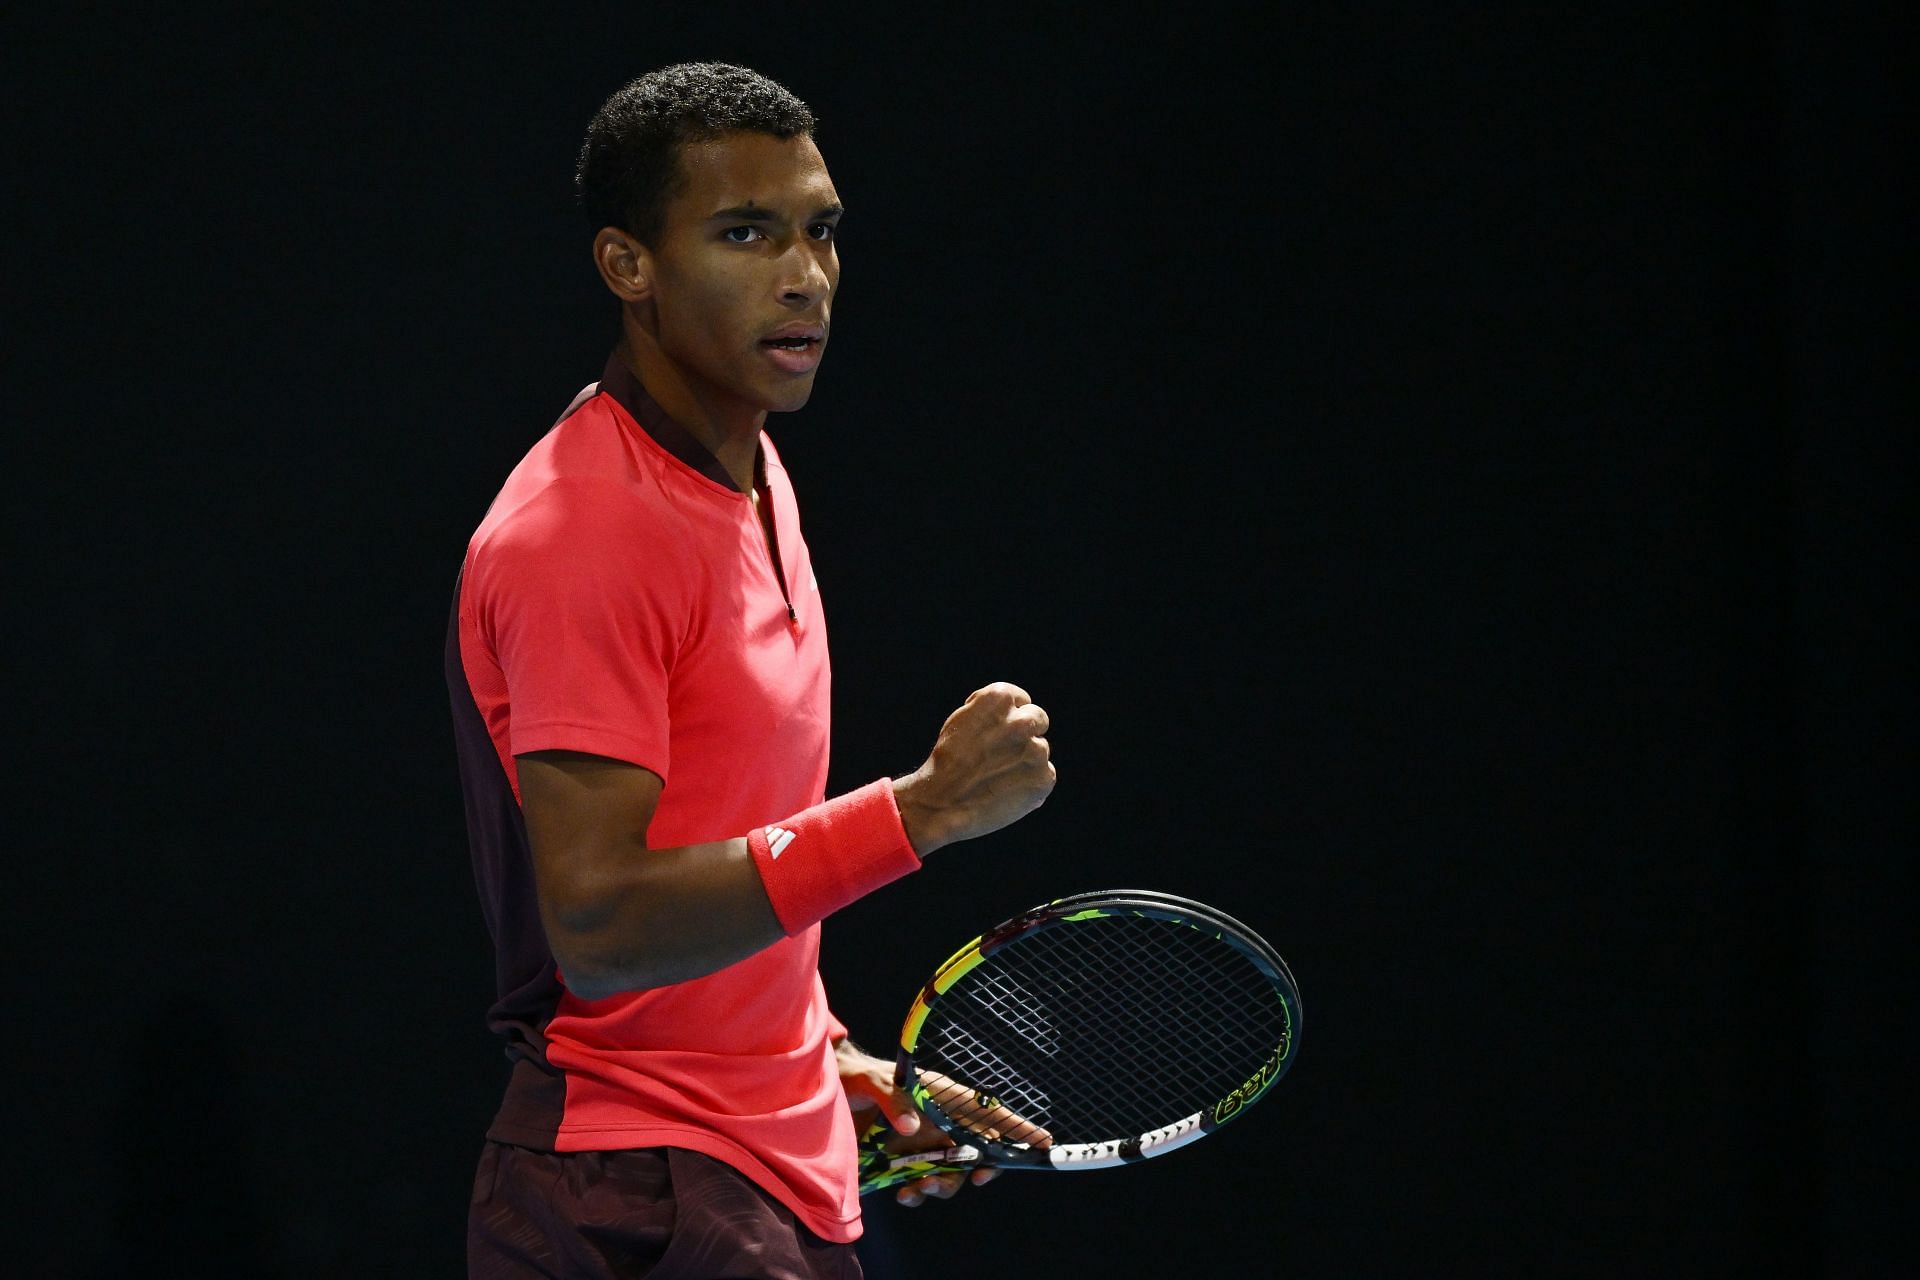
526 982
662 1213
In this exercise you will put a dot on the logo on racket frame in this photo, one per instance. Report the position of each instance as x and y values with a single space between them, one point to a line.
1230 1106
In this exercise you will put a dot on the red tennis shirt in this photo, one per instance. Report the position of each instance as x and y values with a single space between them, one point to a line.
616 600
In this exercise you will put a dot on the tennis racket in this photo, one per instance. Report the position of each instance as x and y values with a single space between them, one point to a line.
1099 1030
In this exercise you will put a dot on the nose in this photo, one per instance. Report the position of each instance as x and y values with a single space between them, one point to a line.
804 281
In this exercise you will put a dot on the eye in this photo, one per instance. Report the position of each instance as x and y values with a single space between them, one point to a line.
823 230
743 235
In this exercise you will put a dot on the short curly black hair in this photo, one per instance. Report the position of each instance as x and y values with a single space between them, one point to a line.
630 163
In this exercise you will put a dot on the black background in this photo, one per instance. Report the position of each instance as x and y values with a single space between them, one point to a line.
1440 471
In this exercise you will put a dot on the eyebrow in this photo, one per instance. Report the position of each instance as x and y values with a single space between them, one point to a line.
751 212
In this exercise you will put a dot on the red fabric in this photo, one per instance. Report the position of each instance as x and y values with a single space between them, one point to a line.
618 602
818 861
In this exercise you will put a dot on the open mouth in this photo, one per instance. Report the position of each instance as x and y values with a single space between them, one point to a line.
795 353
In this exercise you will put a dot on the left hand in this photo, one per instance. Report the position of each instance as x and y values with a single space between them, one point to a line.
869 1084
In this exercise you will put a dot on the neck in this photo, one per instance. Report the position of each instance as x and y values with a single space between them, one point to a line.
725 427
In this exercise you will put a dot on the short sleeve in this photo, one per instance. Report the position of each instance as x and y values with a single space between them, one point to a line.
584 603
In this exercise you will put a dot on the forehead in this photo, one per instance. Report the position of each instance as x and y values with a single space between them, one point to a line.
736 169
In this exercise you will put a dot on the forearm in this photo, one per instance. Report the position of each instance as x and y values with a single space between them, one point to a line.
642 917
622 916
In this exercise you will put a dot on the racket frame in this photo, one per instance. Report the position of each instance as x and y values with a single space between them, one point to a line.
973 1149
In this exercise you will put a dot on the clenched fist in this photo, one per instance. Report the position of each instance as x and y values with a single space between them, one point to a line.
990 766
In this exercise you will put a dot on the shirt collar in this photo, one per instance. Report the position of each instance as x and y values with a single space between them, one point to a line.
619 382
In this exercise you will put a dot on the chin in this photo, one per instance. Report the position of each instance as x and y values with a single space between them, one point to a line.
790 399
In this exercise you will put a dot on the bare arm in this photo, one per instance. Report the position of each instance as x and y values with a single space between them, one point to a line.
621 916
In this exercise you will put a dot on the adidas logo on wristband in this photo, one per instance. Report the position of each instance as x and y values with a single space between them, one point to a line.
855 844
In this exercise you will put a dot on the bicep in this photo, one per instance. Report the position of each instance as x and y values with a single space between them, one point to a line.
582 811
618 915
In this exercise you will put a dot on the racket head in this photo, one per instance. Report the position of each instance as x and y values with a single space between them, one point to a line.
1125 1023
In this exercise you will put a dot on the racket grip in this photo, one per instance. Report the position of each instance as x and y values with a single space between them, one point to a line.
881 1170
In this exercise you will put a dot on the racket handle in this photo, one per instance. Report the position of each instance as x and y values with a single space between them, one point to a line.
881 1169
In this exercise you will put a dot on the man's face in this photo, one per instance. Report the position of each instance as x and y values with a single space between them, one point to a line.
745 268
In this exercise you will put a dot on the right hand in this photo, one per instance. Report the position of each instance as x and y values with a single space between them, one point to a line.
993 1120
989 1117
990 767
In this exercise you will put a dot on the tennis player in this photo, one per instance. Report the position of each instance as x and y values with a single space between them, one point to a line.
638 664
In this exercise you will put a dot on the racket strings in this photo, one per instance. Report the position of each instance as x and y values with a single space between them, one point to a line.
1127 1039
1107 1027
1231 976
1199 1017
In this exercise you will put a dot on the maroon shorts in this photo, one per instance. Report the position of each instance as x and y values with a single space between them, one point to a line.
658 1212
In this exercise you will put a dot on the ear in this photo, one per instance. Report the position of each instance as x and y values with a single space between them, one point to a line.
625 264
